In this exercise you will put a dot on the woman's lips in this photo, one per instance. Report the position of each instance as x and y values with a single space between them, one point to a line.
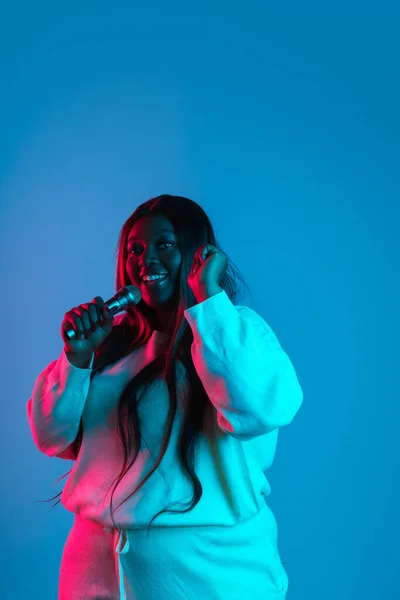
154 282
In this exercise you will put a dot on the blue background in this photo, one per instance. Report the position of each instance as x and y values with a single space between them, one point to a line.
282 121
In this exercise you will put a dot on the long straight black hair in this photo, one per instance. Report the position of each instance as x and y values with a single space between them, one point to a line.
193 228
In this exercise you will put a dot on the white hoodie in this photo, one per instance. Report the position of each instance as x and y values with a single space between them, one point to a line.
254 390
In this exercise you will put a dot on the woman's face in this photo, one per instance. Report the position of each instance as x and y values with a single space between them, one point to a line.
153 247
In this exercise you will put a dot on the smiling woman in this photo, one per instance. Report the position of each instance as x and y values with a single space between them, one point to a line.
184 399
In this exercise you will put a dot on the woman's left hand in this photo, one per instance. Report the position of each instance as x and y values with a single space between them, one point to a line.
208 268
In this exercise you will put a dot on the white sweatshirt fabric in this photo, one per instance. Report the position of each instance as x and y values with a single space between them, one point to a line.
254 390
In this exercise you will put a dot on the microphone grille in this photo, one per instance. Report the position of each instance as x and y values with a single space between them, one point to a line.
133 294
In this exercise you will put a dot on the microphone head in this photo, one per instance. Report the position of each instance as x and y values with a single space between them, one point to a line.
125 298
130 295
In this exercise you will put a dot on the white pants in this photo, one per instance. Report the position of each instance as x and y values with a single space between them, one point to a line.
174 563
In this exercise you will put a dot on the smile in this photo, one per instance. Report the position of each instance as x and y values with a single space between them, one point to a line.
155 282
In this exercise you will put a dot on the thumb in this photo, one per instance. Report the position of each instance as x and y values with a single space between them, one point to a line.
108 314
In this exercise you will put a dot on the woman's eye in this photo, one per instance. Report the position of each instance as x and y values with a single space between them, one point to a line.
132 250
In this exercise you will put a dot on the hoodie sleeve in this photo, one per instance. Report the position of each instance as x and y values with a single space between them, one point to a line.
247 376
56 406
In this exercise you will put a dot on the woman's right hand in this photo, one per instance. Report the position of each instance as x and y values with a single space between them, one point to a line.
90 320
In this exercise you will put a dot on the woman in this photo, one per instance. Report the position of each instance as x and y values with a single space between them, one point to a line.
171 412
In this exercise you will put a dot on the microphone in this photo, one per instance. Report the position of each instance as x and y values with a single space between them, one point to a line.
124 298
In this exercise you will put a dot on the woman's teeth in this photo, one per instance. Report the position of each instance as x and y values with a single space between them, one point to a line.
152 279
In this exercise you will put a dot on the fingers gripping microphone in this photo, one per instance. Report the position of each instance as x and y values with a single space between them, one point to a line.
123 299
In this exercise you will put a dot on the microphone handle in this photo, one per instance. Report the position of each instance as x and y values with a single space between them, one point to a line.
123 299
114 308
